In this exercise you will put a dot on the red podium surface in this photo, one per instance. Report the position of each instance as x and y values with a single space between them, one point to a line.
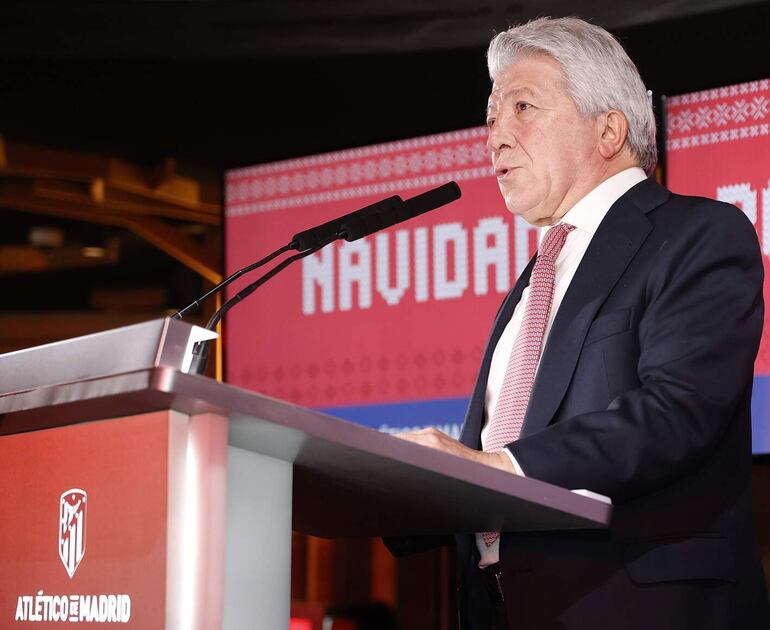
136 493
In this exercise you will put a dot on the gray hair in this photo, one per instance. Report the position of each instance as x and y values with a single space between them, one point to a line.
598 73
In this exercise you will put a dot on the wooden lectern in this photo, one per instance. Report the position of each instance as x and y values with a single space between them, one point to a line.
136 493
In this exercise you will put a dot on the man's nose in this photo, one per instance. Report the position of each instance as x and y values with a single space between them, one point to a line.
498 139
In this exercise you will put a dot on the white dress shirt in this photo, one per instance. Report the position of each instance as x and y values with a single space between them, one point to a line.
585 215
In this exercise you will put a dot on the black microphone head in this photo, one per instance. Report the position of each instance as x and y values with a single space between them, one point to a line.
360 224
332 230
385 217
432 199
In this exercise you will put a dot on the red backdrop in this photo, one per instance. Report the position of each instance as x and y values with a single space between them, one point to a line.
402 315
718 145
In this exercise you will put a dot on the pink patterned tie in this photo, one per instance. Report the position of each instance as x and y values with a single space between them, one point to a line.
508 417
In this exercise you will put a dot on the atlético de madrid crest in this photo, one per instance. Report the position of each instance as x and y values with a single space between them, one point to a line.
72 528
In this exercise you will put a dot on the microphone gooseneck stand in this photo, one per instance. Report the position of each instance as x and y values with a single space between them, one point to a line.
231 278
200 350
351 227
315 237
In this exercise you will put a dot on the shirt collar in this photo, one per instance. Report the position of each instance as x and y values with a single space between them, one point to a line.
589 212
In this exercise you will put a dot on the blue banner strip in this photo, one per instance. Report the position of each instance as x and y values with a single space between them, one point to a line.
447 414
760 416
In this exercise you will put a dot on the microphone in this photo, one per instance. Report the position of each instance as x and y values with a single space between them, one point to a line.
330 231
351 227
307 240
360 224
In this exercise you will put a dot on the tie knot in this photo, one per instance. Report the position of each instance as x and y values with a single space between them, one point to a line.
554 241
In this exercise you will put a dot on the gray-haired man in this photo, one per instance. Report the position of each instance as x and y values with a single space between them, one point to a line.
621 362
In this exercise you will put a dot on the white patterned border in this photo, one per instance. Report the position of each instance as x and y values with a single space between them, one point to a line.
717 137
380 188
359 153
719 93
383 168
719 116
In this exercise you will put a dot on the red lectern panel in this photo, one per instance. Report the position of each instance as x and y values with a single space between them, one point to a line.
83 525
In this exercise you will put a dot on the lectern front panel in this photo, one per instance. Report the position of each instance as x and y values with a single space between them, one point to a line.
83 531
114 521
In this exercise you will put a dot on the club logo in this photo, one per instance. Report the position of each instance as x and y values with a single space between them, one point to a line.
72 528
73 607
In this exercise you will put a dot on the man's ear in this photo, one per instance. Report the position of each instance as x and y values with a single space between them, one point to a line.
613 131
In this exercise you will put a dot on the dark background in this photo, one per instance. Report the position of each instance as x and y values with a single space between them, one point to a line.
153 93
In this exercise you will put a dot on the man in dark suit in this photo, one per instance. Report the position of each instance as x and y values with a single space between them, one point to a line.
621 362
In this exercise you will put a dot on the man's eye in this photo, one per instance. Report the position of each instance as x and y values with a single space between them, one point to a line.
521 106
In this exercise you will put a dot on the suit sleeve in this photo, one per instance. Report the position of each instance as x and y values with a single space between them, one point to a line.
698 337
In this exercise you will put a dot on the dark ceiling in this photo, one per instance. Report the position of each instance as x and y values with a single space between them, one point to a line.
223 83
271 29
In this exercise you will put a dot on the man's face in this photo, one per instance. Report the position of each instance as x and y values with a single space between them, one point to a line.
543 149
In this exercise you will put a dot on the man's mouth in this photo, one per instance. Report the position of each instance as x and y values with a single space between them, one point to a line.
503 171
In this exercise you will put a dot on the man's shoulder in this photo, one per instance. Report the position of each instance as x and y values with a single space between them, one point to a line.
687 221
690 212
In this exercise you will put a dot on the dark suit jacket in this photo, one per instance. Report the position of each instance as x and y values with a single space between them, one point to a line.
643 394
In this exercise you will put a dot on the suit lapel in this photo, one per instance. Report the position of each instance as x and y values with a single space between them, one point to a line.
471 433
619 236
